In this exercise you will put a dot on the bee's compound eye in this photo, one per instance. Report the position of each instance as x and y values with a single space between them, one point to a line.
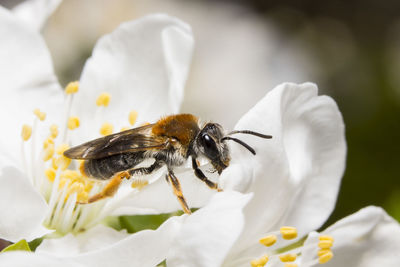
210 148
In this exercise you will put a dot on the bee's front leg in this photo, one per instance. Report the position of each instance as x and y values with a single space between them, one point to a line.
177 191
199 174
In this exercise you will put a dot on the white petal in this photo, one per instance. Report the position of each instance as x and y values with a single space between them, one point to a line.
22 208
143 65
208 234
23 259
296 174
90 240
145 248
34 13
368 238
27 81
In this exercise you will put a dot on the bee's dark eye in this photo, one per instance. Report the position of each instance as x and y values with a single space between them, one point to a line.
210 148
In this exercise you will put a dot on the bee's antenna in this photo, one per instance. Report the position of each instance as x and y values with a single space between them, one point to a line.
252 133
249 148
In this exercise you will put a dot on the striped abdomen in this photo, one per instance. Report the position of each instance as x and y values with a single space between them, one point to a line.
105 168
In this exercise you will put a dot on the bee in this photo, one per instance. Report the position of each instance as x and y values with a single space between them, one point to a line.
171 141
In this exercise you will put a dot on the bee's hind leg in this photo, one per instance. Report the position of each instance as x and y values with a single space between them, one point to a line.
111 188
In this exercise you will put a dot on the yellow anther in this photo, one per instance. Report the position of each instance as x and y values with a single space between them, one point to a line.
26 132
288 232
325 243
62 162
288 257
322 251
54 131
124 129
73 123
263 260
260 262
103 99
291 265
82 197
139 184
72 88
49 141
254 263
61 148
268 240
106 129
325 257
50 174
132 117
48 152
70 174
326 237
41 115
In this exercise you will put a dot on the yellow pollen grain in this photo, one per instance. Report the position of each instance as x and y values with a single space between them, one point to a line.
288 232
145 123
41 115
139 184
73 123
290 265
125 128
48 152
61 148
288 257
325 243
106 129
72 88
325 257
26 132
268 240
54 131
132 117
50 174
103 99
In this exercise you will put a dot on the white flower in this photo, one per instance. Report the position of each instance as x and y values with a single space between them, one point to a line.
293 181
136 62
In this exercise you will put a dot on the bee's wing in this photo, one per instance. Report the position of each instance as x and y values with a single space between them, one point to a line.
133 140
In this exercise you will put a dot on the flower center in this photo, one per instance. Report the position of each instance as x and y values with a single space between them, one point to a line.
59 179
291 252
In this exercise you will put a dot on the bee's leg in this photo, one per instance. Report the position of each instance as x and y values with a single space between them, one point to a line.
111 188
177 191
199 174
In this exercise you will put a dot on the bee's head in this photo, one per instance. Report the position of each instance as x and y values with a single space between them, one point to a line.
210 144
